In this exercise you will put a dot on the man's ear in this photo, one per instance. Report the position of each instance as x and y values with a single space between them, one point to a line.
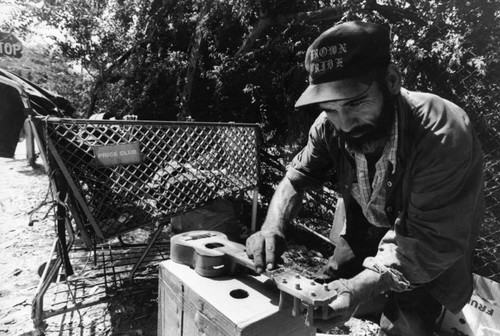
393 79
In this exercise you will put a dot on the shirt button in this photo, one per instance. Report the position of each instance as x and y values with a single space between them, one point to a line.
389 209
389 184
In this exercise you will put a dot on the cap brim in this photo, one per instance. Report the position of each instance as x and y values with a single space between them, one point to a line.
348 88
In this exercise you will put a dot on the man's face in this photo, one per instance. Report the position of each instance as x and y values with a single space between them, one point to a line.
364 122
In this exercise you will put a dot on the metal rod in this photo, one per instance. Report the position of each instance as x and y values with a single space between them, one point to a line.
146 251
310 315
254 209
43 285
296 307
145 122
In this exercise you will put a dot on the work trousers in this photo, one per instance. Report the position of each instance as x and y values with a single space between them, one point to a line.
411 313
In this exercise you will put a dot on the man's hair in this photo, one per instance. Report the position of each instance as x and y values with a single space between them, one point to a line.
380 74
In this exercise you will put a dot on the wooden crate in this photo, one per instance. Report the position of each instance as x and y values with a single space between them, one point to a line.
245 305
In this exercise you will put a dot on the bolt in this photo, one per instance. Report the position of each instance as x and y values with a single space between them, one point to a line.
284 281
313 294
326 288
297 286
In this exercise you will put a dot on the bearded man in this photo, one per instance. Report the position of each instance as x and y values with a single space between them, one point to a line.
410 170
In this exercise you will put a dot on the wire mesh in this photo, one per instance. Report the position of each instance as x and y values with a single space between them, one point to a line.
487 256
177 167
93 301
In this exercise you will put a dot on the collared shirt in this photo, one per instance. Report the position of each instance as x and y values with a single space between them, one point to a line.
437 192
372 197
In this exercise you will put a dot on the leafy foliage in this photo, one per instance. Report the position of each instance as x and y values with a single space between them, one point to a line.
241 60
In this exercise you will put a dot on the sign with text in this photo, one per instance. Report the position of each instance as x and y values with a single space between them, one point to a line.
481 316
10 45
114 155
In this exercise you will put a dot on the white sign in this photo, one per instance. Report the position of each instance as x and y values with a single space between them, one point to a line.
113 155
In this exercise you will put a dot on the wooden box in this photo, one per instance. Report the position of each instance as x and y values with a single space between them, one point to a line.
244 305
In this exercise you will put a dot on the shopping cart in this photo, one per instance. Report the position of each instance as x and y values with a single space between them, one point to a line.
111 177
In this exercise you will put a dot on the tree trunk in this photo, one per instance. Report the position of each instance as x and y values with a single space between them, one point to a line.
194 56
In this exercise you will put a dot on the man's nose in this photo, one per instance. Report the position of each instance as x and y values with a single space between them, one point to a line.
346 122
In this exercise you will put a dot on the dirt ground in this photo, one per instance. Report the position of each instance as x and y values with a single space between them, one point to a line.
23 247
26 247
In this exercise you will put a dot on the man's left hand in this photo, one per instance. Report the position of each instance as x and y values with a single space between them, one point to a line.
340 310
351 293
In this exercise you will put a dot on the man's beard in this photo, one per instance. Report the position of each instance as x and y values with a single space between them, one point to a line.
374 137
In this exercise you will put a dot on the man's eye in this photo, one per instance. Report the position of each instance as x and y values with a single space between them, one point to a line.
355 103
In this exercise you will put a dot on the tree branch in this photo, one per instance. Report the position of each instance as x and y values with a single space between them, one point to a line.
394 13
265 22
326 13
272 161
102 79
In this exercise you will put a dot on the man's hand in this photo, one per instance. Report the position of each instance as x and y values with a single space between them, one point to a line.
265 247
366 286
341 309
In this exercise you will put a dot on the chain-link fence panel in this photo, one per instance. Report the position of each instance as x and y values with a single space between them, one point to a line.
487 254
126 174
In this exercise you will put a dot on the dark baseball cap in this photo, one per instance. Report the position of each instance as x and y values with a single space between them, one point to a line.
342 61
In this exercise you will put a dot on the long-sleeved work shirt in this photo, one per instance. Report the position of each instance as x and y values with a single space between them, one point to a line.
434 198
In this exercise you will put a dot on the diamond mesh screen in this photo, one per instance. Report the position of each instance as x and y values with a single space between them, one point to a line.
178 167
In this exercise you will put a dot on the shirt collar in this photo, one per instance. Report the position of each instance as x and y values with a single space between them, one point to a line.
390 149
392 145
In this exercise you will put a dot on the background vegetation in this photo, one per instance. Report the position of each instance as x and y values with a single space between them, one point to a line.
241 60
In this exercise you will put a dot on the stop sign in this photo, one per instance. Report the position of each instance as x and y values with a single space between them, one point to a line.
10 45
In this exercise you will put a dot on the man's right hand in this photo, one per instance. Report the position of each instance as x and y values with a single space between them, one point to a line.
265 247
